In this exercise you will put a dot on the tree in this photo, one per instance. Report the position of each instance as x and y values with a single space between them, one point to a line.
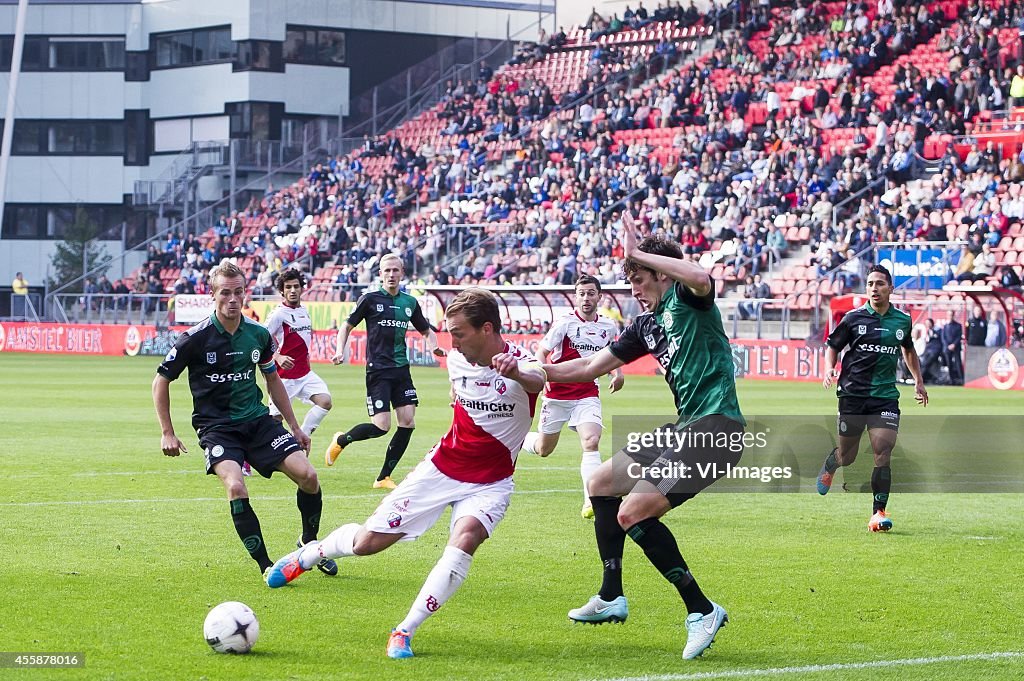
77 250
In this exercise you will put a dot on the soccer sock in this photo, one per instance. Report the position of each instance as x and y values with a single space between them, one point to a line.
610 541
443 581
396 448
530 443
310 506
590 462
831 464
364 431
337 544
247 525
661 549
881 482
314 417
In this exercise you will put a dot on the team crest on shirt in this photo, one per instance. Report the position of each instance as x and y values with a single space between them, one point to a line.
171 355
649 339
211 358
899 334
394 520
666 319
380 308
408 312
500 386
255 356
862 329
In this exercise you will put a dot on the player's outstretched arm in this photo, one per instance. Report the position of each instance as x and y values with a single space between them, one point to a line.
584 369
914 366
279 394
686 272
618 378
341 349
432 345
169 442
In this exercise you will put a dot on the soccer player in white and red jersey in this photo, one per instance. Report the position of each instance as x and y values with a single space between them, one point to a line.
292 328
581 333
494 387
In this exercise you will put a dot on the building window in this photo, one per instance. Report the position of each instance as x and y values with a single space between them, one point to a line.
50 53
320 46
66 54
68 138
259 55
51 221
192 48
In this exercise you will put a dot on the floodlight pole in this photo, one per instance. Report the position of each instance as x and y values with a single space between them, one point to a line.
12 93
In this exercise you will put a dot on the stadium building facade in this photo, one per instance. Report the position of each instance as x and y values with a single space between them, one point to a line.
119 99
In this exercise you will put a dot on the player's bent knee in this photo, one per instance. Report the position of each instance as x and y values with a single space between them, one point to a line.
236 489
601 483
368 543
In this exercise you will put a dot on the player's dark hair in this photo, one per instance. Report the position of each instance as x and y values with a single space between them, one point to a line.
290 274
587 279
478 306
882 270
655 245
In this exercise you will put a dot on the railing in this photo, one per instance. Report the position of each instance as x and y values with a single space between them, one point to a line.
179 177
112 308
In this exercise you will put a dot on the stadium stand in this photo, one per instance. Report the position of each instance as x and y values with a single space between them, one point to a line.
787 146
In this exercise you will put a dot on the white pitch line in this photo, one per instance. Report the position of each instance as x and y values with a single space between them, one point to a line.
200 471
818 668
172 500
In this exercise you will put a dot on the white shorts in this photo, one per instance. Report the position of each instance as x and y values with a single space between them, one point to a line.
301 388
415 505
555 413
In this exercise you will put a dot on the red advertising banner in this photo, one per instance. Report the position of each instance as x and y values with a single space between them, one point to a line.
754 359
777 360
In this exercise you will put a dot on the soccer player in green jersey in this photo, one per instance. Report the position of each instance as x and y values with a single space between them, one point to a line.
873 336
682 329
388 313
223 355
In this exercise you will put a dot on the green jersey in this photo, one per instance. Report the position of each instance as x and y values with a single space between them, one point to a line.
222 370
387 320
874 342
685 334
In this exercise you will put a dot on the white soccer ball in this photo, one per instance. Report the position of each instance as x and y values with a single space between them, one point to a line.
231 628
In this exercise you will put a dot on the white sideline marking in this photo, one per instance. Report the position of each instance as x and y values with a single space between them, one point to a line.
200 471
171 500
816 668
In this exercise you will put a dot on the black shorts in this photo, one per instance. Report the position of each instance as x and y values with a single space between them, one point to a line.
263 442
389 388
699 456
858 413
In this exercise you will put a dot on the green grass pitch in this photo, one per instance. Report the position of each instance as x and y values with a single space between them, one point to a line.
111 549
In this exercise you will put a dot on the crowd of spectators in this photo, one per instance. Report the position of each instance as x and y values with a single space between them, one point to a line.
534 178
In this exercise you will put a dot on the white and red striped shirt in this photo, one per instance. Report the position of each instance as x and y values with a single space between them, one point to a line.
572 337
493 414
292 328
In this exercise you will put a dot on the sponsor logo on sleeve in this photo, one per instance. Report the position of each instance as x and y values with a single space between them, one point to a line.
394 520
211 358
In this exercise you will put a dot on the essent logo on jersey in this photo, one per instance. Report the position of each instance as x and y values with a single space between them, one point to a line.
398 323
884 349
230 378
